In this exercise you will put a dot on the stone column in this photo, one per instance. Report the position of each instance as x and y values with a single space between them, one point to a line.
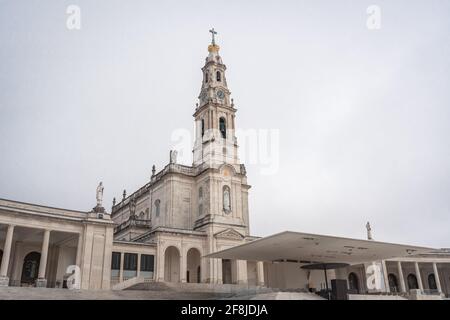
122 256
4 280
79 250
419 277
138 267
385 276
241 271
260 274
42 281
219 272
436 276
183 266
401 278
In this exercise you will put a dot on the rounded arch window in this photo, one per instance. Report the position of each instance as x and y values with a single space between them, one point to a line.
432 282
218 76
412 282
223 127
393 283
226 199
353 283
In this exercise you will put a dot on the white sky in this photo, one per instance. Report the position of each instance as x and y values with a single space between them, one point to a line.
363 115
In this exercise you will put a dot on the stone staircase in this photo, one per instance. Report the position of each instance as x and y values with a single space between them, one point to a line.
223 289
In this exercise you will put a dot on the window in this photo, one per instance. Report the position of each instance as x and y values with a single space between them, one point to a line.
412 282
157 207
432 282
218 76
130 261
206 77
223 127
147 262
115 265
393 284
353 283
129 265
203 127
200 201
226 199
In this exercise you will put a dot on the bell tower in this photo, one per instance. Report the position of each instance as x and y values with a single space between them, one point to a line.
215 140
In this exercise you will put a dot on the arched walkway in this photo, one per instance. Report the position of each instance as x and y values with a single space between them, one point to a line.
393 283
172 264
30 268
193 272
353 282
412 282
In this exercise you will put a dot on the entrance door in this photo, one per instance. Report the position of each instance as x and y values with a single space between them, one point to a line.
30 268
226 271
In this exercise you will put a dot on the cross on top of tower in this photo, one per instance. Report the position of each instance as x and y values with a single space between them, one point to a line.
213 33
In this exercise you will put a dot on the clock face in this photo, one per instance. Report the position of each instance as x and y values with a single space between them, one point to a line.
220 94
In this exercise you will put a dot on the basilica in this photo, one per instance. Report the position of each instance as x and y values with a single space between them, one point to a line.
190 225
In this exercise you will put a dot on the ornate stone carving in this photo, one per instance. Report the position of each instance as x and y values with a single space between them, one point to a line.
230 234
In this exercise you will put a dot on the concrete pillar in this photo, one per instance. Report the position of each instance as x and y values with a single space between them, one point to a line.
79 250
418 276
219 273
401 277
138 270
260 274
385 276
436 276
183 266
240 268
42 281
4 280
122 257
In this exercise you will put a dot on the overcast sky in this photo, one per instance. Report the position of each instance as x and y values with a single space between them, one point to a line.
363 115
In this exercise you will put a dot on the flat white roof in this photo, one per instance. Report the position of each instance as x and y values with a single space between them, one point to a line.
315 248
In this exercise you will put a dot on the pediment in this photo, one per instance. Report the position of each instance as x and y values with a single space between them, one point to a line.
229 234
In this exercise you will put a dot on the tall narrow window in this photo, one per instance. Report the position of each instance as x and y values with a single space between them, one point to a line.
115 264
157 207
223 128
206 77
200 201
218 76
226 199
203 127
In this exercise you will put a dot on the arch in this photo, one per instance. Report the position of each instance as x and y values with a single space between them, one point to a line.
157 207
432 282
30 268
218 76
412 282
353 282
393 283
193 269
172 264
223 127
226 199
